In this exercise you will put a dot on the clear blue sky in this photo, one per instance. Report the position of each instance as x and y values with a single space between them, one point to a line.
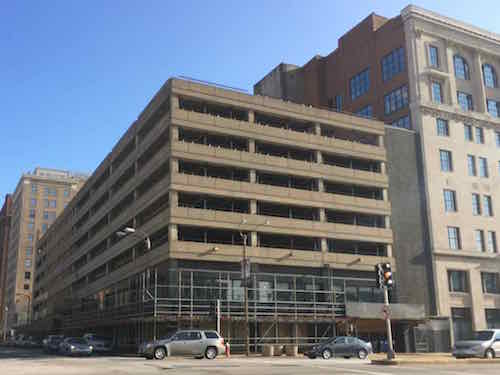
75 74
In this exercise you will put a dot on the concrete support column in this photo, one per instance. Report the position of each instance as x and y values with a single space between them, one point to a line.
387 221
319 157
322 215
174 102
385 194
381 140
251 116
172 232
480 91
253 239
451 86
321 185
478 314
324 245
174 165
174 133
383 167
253 176
173 198
253 207
251 146
317 129
389 250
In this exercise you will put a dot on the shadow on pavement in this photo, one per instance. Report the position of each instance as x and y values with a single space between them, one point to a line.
21 353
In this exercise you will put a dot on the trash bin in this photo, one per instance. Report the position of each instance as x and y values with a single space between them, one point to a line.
292 350
268 351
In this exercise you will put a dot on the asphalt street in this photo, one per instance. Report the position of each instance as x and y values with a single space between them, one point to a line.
22 361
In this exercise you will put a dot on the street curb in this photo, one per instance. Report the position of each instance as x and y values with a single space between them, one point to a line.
395 362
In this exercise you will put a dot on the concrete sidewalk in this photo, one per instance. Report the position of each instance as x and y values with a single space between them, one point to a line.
425 358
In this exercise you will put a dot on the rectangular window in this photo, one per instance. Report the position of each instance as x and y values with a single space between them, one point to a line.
33 203
454 238
31 226
497 138
492 319
403 122
442 127
437 95
445 160
339 102
393 63
483 167
479 135
29 251
493 107
26 286
479 236
30 238
27 263
366 111
396 100
476 204
471 165
487 206
465 101
450 203
50 192
27 275
66 193
360 84
45 226
34 188
468 133
457 282
32 214
490 281
434 56
492 241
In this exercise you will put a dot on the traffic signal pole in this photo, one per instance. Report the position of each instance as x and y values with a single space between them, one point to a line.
390 348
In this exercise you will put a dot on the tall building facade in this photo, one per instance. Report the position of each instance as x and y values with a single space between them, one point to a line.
437 77
206 173
39 197
5 215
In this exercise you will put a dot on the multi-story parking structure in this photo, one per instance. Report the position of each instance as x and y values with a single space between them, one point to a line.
202 168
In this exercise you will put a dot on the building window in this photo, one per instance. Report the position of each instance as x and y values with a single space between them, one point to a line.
396 100
465 101
445 159
454 238
450 202
442 127
497 138
49 203
493 107
476 204
492 318
393 63
27 275
487 206
490 281
33 203
479 236
27 263
31 226
479 135
360 84
471 165
437 93
34 188
339 103
489 76
50 192
32 214
468 133
66 192
483 167
366 111
30 238
403 122
45 226
461 67
492 241
26 286
434 56
29 251
457 282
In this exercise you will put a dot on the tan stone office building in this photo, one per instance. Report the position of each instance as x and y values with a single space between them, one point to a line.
202 168
39 197
438 78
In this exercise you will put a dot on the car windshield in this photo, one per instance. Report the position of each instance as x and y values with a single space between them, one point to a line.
482 335
77 341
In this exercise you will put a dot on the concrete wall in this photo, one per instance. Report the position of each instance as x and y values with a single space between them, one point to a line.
407 197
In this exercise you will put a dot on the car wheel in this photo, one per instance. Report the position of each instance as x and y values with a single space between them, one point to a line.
489 354
362 354
211 352
326 354
160 353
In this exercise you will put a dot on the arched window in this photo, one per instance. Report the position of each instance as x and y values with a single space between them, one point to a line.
489 76
461 67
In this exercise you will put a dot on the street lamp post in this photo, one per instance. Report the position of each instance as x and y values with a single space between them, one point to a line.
129 231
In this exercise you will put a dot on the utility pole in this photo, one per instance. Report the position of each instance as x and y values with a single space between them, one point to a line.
384 281
390 349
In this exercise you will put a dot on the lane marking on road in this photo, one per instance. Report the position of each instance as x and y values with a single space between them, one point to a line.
355 370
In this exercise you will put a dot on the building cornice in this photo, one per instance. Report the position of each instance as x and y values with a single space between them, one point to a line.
449 113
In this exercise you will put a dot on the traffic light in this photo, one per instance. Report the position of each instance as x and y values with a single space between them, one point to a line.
383 275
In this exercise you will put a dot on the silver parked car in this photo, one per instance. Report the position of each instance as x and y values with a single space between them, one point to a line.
75 346
100 344
197 343
484 344
342 346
